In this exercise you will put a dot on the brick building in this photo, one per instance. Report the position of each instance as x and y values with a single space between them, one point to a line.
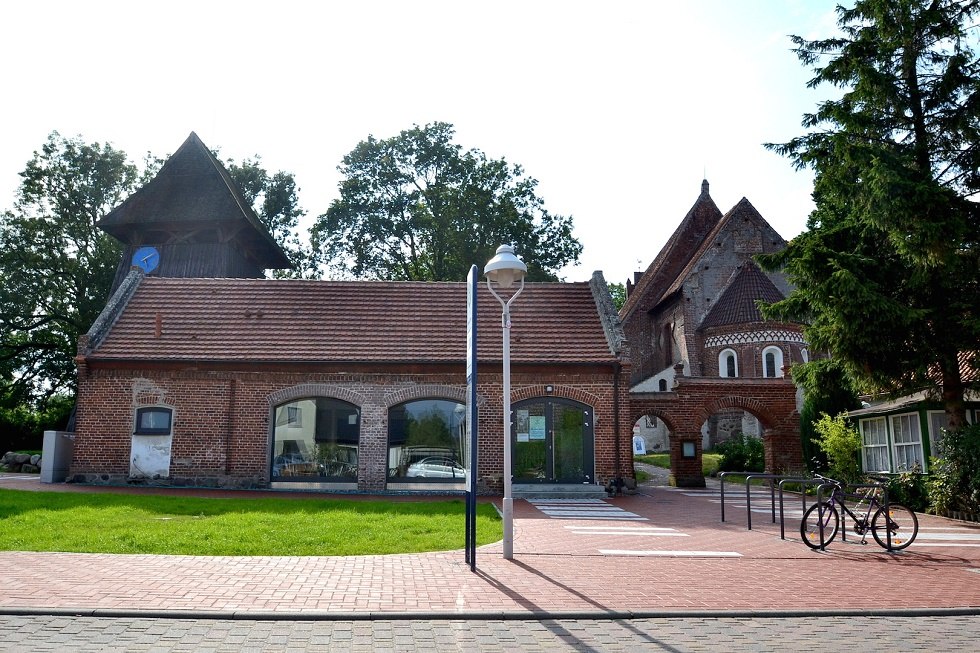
704 363
345 385
202 372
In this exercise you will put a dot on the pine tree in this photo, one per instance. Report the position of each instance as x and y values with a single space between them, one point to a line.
888 272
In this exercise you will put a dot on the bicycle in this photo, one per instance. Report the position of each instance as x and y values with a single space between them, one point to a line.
893 529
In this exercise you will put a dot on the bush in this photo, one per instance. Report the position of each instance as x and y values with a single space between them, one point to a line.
842 444
909 489
741 453
954 484
22 427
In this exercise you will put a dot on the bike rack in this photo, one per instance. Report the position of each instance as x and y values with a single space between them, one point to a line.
772 490
802 481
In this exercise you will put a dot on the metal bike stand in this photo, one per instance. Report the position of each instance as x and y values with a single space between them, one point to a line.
802 481
820 511
748 495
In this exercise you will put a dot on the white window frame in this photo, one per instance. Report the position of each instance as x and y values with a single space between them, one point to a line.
723 363
777 360
874 444
897 426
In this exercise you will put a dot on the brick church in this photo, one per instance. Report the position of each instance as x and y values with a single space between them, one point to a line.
202 372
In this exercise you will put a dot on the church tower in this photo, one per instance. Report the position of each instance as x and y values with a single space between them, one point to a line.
192 221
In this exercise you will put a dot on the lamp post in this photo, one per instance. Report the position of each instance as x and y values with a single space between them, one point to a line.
504 269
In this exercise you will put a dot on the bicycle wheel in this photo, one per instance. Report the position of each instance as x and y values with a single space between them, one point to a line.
810 526
902 525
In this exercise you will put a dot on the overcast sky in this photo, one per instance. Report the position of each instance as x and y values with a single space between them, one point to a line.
617 108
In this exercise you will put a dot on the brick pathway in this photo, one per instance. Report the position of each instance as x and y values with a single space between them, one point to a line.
676 557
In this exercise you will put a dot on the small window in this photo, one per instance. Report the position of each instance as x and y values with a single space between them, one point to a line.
728 364
805 355
772 362
153 421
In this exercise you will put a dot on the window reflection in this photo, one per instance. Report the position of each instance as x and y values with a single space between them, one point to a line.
427 441
316 439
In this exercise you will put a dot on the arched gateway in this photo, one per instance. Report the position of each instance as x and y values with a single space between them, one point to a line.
693 400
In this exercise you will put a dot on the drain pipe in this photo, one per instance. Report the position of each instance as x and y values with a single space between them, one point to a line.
616 374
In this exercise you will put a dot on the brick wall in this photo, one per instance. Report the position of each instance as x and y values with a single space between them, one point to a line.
222 435
694 400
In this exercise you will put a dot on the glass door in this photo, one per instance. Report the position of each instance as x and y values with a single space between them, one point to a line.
553 442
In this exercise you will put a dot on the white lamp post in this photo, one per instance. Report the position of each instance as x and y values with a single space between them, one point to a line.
504 269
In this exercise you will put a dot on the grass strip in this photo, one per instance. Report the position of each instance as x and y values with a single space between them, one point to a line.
168 525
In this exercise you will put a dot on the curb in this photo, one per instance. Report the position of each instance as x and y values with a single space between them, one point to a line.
244 615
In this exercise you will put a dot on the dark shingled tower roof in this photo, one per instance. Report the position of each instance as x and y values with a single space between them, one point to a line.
193 191
737 304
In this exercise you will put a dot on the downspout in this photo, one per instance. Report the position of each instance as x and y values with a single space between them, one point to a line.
232 391
616 375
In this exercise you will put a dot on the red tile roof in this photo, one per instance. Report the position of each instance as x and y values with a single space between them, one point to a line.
226 320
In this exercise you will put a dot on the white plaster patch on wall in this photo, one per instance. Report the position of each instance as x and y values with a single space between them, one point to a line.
147 393
150 456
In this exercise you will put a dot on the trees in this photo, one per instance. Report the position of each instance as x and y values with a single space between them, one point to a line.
276 202
417 207
56 266
888 274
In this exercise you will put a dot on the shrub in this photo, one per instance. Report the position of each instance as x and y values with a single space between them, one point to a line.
909 489
842 444
741 453
954 484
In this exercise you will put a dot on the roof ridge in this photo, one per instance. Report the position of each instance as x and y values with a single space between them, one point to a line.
656 268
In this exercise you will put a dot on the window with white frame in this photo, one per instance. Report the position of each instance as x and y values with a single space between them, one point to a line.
874 445
728 363
907 442
772 362
805 355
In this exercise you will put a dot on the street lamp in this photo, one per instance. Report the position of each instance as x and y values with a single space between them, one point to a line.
504 269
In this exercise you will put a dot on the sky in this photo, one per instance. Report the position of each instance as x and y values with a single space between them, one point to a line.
618 108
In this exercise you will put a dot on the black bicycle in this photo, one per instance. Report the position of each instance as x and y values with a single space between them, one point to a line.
893 527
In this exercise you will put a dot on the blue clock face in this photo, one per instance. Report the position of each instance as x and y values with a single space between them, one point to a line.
146 258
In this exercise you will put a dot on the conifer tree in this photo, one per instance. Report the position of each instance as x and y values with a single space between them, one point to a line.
888 272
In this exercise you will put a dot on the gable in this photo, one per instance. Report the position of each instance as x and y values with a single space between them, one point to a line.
675 256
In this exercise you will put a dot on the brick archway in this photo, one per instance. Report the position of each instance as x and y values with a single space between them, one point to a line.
693 400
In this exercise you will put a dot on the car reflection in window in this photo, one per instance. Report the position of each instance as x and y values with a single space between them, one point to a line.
436 467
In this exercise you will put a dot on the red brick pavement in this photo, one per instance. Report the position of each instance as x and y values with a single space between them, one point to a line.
559 566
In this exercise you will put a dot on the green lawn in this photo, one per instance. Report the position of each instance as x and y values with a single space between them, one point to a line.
117 523
709 461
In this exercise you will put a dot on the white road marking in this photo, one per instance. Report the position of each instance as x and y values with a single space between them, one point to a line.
676 554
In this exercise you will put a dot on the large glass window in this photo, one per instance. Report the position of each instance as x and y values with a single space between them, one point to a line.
874 445
315 439
908 442
427 441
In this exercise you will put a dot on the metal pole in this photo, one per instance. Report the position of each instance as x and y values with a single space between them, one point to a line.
508 476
